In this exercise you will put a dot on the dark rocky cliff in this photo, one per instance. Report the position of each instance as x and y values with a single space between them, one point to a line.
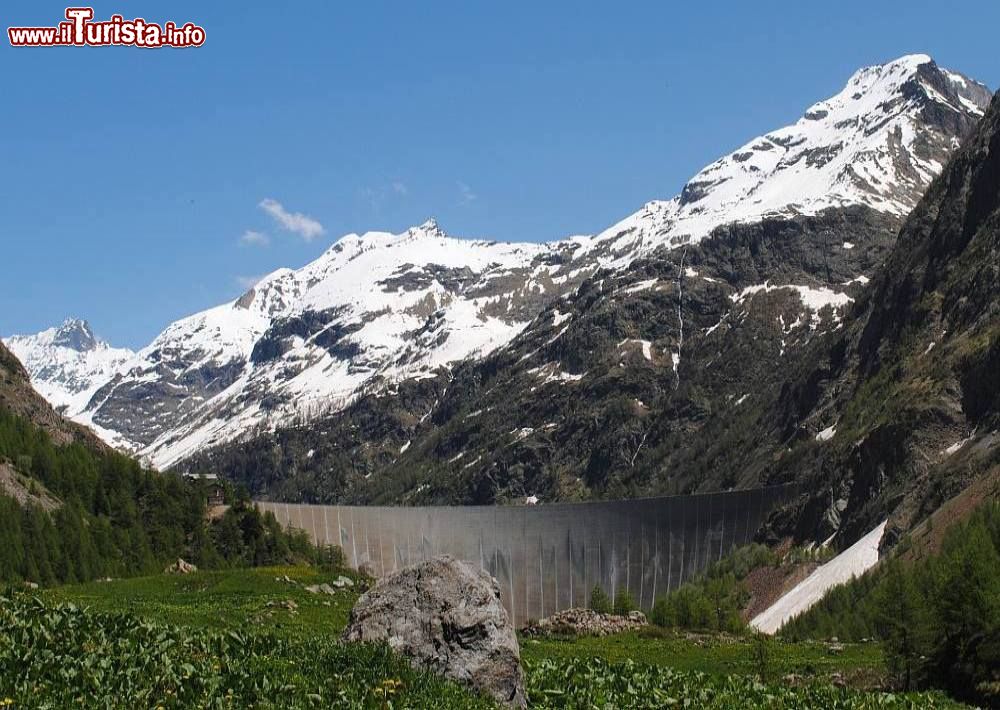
846 351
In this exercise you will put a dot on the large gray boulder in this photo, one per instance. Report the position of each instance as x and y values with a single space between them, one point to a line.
445 616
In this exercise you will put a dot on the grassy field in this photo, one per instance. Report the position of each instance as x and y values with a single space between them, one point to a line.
246 600
257 638
717 654
237 600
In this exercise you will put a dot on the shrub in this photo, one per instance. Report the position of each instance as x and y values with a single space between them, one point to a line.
662 613
599 600
761 652
331 558
624 603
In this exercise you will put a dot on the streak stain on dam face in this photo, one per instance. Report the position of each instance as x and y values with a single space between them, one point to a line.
548 557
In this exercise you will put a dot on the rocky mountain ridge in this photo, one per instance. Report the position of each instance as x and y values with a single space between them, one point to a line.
68 363
685 373
18 397
793 223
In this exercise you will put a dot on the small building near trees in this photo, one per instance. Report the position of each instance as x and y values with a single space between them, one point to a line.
215 492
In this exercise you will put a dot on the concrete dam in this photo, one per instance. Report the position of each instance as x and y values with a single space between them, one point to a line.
549 557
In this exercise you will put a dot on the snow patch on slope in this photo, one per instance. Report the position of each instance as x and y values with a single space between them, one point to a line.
852 562
827 433
813 299
374 308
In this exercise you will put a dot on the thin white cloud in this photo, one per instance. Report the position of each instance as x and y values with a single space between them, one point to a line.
373 198
377 197
465 194
251 238
248 282
303 225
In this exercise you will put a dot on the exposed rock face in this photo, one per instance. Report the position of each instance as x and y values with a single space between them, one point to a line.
24 490
373 310
607 393
18 397
586 622
884 402
379 310
76 335
911 383
180 567
689 319
445 616
68 364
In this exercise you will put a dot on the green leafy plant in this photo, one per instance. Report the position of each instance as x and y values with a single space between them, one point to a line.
596 683
59 656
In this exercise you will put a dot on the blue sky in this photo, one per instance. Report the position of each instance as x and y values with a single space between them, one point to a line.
132 176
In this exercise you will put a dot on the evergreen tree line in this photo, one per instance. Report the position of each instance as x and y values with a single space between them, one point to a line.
714 600
938 618
115 518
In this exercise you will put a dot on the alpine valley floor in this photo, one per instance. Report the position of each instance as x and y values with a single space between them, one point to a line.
256 637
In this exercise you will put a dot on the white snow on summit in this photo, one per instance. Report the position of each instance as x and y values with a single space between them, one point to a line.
867 145
379 308
68 364
373 309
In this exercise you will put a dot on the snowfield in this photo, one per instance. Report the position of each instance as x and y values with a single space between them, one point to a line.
852 562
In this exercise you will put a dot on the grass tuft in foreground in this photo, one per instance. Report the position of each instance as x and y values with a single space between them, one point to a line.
59 656
596 683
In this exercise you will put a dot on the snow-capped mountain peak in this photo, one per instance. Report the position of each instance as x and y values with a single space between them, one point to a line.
380 307
68 363
72 333
878 142
75 334
373 308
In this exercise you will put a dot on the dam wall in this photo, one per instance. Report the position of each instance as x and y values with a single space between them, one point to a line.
549 557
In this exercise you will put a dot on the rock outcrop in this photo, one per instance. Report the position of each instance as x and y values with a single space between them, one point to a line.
586 622
445 616
180 567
